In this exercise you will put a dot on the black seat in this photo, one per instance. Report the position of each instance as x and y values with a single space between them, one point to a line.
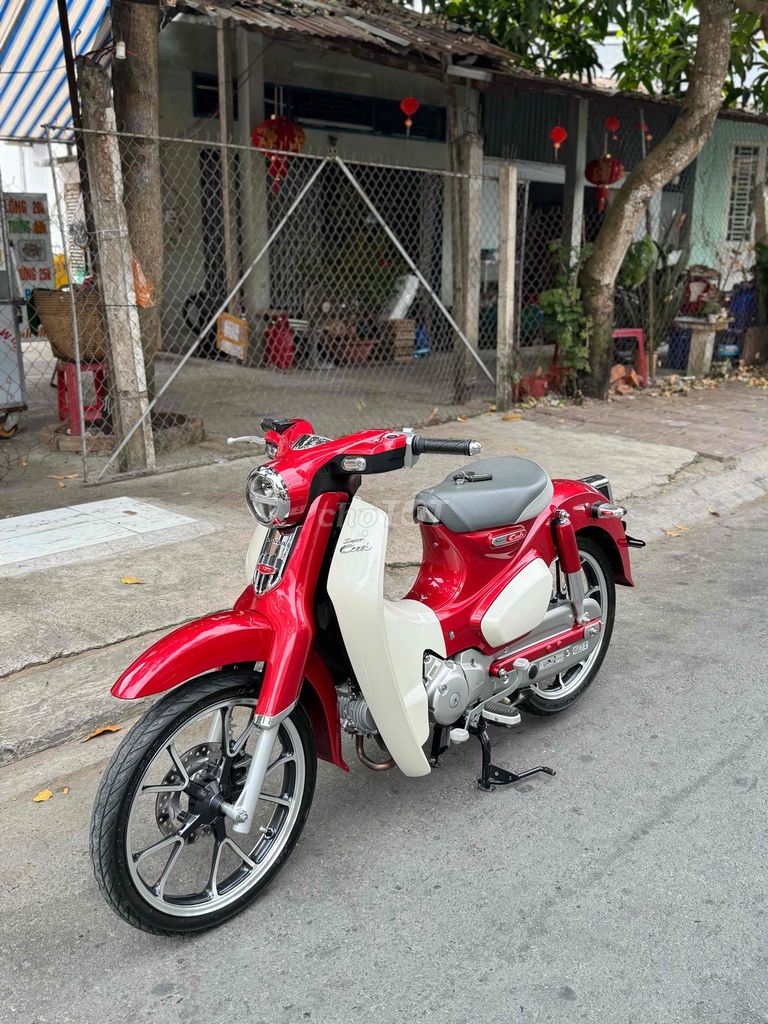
518 490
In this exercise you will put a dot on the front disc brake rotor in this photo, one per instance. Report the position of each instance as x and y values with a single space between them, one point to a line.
202 765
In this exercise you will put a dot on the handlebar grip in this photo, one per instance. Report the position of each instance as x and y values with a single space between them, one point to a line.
444 446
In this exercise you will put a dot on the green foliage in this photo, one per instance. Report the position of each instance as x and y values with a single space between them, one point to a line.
653 302
657 38
640 260
565 322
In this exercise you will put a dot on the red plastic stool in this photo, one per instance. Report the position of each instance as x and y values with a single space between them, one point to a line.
66 393
639 335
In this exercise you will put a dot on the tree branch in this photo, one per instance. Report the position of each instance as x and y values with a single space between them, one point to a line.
692 128
677 149
753 6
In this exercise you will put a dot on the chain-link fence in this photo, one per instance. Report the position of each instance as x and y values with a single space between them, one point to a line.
261 282
215 284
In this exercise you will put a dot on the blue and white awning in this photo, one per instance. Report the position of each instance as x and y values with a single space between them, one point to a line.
33 79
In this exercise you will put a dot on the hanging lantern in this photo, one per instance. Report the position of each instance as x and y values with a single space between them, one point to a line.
612 125
278 133
409 106
603 171
558 135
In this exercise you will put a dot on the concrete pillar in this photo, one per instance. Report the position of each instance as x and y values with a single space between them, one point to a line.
575 163
253 179
506 326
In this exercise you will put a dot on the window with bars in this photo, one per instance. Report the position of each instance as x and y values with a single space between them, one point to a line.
743 179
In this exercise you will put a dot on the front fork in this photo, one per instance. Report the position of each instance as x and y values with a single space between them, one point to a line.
570 561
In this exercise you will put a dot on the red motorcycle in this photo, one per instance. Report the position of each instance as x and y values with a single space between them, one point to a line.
512 610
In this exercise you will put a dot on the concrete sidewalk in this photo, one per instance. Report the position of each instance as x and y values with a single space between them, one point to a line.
69 629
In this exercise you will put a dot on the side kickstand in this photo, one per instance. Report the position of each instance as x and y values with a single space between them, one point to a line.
493 775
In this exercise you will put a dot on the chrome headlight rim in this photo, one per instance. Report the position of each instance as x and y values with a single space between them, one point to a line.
267 497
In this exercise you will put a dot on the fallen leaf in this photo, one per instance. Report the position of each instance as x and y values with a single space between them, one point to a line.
521 449
492 407
64 790
681 526
63 476
42 796
130 580
511 417
61 484
461 419
673 533
101 730
712 511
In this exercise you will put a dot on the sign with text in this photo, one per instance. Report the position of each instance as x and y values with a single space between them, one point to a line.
11 380
28 232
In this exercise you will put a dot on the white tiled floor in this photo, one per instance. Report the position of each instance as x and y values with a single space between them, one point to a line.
80 526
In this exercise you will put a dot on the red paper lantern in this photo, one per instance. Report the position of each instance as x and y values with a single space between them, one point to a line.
603 171
558 135
278 133
612 125
409 106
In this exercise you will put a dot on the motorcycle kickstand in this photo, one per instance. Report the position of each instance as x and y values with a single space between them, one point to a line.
492 775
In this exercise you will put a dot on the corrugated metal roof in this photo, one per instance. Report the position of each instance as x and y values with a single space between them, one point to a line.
396 31
33 79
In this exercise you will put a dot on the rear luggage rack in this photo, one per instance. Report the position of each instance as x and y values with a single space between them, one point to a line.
600 483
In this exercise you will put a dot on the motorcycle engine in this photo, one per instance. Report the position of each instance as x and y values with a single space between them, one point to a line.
454 684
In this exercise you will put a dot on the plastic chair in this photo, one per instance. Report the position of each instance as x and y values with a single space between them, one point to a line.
639 336
66 393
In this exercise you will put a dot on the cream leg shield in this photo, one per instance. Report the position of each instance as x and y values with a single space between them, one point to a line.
385 640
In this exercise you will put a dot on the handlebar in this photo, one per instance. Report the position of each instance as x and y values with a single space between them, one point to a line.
444 446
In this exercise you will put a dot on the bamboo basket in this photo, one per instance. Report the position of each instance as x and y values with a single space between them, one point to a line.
55 311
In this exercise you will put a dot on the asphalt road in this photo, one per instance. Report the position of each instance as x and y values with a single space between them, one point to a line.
630 888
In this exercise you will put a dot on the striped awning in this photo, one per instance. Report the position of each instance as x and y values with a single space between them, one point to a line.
33 79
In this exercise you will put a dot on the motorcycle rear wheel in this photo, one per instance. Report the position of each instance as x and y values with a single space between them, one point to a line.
565 689
160 881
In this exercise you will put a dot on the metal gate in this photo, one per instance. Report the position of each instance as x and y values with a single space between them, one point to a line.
292 284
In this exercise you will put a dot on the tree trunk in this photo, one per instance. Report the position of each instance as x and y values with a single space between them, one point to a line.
676 150
136 87
114 273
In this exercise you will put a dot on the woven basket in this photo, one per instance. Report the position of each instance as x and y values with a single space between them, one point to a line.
55 311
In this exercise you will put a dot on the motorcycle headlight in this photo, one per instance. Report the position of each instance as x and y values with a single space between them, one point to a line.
267 496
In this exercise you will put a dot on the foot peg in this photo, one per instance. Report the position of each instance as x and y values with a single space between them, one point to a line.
501 714
492 775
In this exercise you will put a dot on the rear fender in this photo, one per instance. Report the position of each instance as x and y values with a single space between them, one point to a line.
228 638
577 499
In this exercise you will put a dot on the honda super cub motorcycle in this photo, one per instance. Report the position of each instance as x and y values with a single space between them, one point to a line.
512 610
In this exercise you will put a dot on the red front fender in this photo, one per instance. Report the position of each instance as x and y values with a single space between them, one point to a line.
227 638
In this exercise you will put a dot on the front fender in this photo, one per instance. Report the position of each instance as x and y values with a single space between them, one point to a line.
223 638
226 638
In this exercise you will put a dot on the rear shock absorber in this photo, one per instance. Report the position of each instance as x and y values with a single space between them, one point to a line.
570 561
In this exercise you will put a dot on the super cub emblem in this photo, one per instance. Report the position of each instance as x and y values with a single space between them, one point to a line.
354 544
513 536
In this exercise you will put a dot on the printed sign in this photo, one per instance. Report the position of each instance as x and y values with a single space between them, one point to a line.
28 231
11 384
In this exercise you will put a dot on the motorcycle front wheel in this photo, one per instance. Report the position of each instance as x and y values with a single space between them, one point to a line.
165 861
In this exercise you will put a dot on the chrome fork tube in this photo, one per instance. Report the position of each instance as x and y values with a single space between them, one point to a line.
242 811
